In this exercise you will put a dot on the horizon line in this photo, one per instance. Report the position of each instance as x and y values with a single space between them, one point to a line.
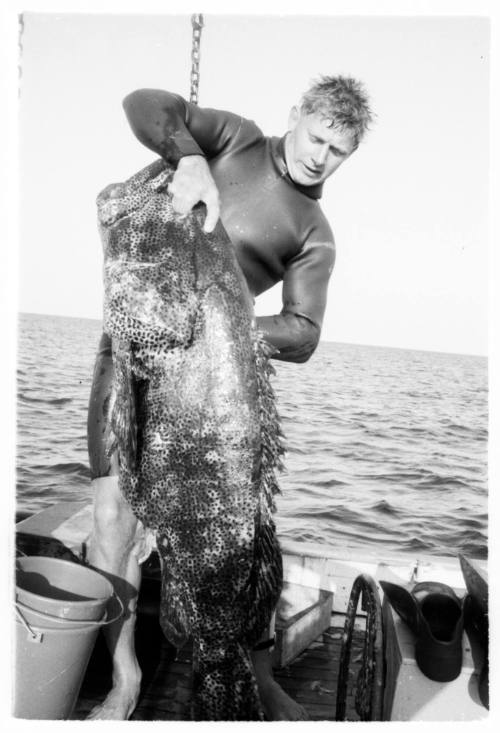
325 341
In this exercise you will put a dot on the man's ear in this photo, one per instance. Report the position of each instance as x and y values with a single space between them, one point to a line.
293 117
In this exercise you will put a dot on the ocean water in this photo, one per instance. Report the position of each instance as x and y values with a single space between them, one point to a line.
387 448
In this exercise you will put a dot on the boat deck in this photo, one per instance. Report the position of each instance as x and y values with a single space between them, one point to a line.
311 679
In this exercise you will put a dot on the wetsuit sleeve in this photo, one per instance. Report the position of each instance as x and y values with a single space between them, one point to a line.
173 128
97 416
296 330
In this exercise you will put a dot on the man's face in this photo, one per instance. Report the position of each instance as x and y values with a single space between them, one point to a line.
314 151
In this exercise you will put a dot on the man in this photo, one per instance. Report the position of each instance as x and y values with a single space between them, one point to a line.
266 192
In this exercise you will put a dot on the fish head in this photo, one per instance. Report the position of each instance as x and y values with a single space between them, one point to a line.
112 204
119 200
149 263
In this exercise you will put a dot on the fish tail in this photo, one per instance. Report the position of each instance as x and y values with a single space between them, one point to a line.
224 684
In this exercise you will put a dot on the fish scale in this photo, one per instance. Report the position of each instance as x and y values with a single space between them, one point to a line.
195 426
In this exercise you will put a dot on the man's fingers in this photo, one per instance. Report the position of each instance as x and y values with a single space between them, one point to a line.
183 202
212 215
181 205
182 198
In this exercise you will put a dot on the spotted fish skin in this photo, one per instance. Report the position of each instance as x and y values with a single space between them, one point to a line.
195 426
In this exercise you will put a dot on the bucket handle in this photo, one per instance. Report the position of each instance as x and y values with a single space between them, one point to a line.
37 636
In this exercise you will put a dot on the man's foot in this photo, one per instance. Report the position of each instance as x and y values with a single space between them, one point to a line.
277 704
119 704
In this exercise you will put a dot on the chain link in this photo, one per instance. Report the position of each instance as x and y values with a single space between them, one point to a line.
197 23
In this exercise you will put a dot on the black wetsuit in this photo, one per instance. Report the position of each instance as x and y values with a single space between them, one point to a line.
277 227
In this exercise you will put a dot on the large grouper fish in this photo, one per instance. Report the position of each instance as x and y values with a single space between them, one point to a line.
195 425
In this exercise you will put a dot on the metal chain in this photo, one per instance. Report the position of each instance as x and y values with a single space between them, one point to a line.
197 23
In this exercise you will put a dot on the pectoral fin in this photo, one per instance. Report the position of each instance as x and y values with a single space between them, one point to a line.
124 410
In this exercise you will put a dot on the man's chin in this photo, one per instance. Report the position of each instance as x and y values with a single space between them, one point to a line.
303 179
306 181
308 178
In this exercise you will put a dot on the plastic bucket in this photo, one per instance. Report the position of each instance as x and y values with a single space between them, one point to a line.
52 655
52 651
61 588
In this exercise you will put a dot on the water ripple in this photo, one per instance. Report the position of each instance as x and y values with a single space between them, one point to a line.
387 448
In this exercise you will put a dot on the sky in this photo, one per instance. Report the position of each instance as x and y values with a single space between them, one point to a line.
409 210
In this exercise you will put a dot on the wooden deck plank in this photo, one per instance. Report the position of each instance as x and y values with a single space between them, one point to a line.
166 691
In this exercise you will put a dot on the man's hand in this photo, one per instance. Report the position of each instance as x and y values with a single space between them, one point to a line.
193 182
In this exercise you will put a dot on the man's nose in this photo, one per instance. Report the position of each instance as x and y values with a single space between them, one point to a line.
319 155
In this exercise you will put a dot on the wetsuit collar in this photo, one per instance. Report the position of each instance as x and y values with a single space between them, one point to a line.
278 148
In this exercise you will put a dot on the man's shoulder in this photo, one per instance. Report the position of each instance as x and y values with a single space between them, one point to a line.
239 132
323 225
250 131
318 226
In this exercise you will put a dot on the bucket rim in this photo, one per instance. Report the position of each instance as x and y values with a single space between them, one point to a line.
87 602
67 625
54 561
60 561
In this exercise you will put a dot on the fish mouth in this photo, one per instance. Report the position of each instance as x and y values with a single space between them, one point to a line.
114 219
114 205
113 211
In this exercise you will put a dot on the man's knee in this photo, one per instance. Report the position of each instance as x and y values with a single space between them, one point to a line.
114 520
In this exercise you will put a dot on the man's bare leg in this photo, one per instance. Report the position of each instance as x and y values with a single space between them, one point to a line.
115 549
276 703
114 546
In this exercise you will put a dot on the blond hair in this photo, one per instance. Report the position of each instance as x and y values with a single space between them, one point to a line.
341 99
